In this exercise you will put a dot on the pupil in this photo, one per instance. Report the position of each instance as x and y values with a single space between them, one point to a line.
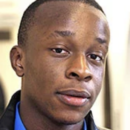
59 50
93 56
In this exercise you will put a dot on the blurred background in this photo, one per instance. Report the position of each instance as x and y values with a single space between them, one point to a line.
112 108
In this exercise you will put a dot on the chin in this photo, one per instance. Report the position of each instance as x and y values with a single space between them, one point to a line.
69 122
70 119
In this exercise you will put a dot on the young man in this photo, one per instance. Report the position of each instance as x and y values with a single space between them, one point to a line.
61 54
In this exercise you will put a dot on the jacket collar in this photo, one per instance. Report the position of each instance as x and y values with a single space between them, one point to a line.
8 117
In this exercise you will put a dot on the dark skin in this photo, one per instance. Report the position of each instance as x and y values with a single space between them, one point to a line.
62 65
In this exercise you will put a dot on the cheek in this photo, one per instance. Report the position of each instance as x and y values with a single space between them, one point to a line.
98 79
48 74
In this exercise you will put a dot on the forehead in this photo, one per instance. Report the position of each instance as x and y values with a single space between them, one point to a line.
73 16
62 10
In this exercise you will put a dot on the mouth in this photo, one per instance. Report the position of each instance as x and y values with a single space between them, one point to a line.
74 97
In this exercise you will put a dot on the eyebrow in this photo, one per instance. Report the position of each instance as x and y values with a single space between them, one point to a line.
67 33
64 33
100 40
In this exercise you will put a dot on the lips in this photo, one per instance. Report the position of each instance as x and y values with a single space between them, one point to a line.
74 97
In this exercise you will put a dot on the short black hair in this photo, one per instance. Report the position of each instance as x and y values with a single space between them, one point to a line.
28 17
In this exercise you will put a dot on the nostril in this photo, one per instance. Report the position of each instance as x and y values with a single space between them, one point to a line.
88 78
74 74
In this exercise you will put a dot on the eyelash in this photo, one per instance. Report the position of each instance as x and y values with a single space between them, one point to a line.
59 50
95 57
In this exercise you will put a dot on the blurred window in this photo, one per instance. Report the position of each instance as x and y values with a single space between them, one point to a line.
5 35
107 95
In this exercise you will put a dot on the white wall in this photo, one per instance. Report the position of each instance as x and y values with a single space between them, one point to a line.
118 14
9 20
10 15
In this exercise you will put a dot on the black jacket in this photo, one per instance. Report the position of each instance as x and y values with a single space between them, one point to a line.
7 119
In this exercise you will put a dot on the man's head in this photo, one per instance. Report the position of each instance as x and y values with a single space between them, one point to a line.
62 64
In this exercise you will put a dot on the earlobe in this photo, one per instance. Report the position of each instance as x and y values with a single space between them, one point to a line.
16 57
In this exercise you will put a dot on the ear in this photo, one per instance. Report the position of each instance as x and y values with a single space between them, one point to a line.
17 59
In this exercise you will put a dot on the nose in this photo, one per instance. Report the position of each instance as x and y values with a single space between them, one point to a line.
79 69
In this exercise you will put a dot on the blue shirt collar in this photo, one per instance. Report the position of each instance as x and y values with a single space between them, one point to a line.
19 124
85 125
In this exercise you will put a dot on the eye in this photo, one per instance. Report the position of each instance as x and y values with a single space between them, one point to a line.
95 57
59 50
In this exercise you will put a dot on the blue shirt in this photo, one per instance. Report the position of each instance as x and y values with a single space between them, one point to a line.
19 124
